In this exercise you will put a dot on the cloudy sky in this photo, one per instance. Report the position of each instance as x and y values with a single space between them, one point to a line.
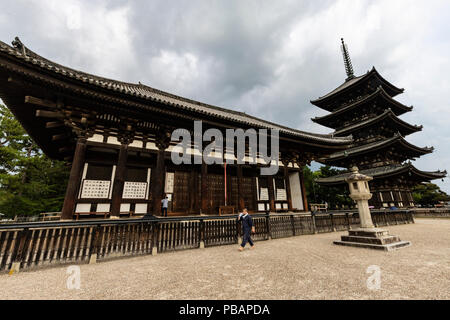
267 58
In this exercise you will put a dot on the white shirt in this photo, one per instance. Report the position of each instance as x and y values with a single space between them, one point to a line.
165 202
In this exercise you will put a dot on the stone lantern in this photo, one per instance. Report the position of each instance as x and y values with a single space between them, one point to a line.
360 193
367 236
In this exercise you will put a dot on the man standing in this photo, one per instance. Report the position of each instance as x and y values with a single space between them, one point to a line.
247 228
164 206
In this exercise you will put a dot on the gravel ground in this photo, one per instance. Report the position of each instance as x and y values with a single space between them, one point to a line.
303 267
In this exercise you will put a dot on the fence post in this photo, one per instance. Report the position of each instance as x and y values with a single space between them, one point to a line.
410 216
333 228
202 234
385 218
313 219
155 238
349 227
95 244
293 225
19 249
238 232
395 217
269 233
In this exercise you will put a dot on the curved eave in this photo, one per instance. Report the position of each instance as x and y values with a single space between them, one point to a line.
403 127
397 140
380 92
346 86
39 135
138 92
428 175
408 168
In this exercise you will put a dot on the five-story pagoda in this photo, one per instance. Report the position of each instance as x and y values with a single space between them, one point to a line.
363 106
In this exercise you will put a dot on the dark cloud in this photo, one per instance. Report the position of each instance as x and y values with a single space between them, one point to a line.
267 58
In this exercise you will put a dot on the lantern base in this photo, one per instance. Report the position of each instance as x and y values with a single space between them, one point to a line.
372 238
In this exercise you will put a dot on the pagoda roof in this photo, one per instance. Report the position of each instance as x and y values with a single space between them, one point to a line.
21 60
396 107
386 172
403 127
351 84
396 140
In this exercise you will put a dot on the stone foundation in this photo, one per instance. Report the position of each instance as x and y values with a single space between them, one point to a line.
373 238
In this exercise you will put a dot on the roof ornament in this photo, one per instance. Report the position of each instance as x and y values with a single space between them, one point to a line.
347 61
16 43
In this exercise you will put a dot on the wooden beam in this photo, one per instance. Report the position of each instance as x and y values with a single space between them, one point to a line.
65 150
57 137
54 124
48 114
40 102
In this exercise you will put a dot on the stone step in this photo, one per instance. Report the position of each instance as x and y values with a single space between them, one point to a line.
373 233
385 247
380 240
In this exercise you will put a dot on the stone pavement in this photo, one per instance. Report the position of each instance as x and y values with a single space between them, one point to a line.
303 267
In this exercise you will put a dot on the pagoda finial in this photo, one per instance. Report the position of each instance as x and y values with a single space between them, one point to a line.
347 61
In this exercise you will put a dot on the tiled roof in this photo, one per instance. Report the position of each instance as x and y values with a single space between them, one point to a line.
150 94
379 92
352 82
377 145
389 170
386 114
346 84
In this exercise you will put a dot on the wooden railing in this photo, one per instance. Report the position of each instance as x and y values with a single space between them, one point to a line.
31 245
432 212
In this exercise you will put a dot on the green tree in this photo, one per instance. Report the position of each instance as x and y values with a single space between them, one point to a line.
428 194
30 182
337 197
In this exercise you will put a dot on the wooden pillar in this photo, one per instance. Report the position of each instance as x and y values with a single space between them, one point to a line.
162 142
119 180
255 189
193 191
205 189
229 186
302 182
158 182
271 193
241 202
74 179
288 186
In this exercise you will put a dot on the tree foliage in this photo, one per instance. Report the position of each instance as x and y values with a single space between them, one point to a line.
429 194
337 197
30 182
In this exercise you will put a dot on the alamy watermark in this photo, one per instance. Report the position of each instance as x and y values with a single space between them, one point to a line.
220 149
74 279
373 282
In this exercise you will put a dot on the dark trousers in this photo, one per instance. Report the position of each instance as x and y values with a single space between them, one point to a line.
164 212
247 238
